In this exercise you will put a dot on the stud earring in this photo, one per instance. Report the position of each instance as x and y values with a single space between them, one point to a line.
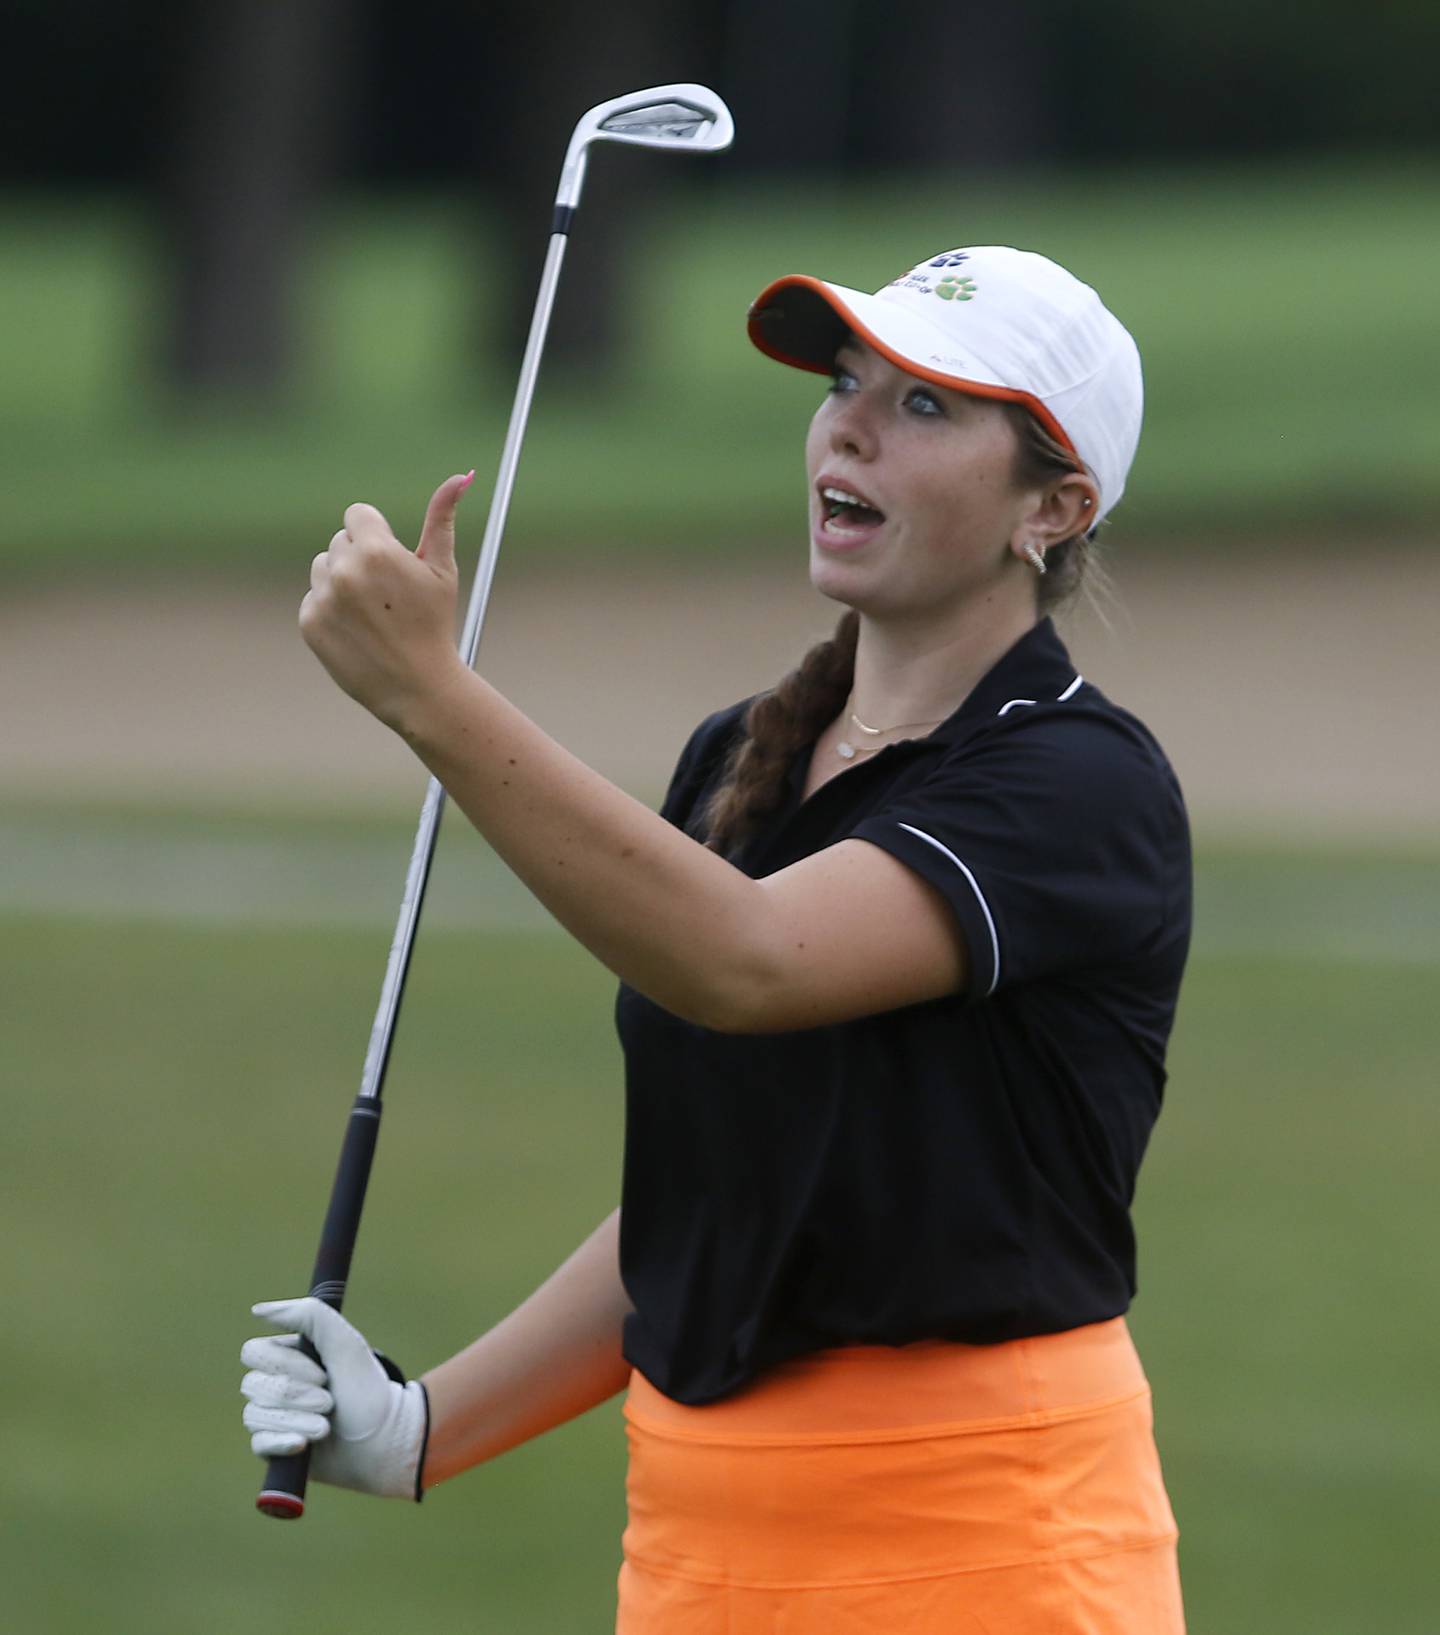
1034 558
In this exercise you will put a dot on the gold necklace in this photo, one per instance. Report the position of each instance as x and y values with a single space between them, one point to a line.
848 751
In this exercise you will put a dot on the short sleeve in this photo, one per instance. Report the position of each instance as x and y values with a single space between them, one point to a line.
1059 841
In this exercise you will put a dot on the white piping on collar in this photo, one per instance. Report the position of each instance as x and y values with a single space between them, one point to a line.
1069 692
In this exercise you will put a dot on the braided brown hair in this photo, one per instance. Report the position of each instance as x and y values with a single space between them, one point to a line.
792 715
778 725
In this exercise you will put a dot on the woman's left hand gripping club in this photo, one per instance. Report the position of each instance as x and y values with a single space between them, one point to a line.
381 618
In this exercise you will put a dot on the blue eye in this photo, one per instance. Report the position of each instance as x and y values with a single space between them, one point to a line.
925 402
841 380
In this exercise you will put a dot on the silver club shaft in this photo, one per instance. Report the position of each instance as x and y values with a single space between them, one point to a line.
402 944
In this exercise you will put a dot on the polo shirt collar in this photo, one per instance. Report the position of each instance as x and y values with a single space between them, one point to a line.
1036 670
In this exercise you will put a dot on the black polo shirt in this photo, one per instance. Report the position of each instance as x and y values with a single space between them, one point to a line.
958 1169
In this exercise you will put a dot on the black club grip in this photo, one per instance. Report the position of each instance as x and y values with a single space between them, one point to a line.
283 1492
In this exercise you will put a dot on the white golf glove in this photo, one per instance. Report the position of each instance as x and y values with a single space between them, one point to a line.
366 1428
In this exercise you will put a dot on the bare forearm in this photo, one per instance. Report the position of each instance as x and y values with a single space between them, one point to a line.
846 932
671 918
552 1358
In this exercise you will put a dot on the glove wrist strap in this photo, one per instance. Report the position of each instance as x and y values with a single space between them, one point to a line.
424 1443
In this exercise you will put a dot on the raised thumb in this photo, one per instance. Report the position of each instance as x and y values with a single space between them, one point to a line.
437 537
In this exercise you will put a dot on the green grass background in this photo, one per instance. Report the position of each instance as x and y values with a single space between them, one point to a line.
176 1089
1280 310
186 993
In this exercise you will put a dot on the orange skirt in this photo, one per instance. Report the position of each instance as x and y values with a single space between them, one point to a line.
972 1490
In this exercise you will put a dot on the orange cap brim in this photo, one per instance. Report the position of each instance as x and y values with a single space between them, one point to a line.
819 320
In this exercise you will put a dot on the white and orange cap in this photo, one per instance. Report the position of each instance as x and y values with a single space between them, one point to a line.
989 320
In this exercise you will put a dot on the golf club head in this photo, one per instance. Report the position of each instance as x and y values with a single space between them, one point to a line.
685 118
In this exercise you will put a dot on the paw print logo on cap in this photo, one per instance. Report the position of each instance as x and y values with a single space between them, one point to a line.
954 287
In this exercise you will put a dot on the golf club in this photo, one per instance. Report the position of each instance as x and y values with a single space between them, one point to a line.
680 118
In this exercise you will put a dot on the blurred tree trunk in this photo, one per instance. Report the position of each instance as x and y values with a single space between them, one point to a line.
788 72
556 61
965 86
259 102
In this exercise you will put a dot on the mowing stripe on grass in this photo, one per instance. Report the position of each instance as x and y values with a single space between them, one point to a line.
1375 906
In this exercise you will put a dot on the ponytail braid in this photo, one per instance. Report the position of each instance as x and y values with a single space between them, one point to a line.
778 725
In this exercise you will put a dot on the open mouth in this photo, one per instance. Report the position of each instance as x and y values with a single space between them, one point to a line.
846 512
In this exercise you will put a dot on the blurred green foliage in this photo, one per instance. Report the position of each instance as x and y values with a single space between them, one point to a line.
1280 311
178 1094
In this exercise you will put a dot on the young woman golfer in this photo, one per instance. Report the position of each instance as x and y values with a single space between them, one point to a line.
898 963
